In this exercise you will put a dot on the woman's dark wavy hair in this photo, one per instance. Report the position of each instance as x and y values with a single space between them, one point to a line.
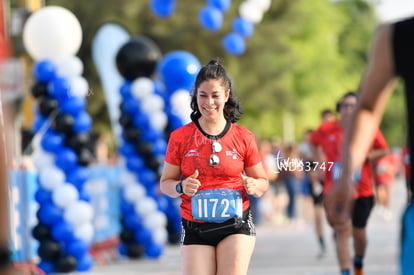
214 70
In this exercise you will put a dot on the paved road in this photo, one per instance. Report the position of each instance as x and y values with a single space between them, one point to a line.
291 250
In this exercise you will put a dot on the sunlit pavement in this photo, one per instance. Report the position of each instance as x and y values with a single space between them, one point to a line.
292 249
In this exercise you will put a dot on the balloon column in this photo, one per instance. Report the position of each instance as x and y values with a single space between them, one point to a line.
52 36
142 150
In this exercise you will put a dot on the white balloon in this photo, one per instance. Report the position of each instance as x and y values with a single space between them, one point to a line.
65 195
152 103
42 159
145 206
84 232
155 220
51 177
249 11
160 235
79 213
52 33
159 120
180 98
134 192
126 177
264 5
142 87
70 67
78 86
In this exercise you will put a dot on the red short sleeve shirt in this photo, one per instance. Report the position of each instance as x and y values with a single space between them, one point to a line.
191 150
329 136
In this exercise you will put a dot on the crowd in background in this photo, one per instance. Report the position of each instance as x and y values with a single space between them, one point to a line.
289 200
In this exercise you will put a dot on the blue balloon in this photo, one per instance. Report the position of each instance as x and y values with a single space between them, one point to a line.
127 149
210 18
234 44
178 70
131 106
66 159
77 248
141 121
43 196
73 105
153 250
222 5
52 141
162 8
44 71
243 27
60 88
85 263
83 123
77 176
127 208
133 222
49 213
159 147
149 135
134 163
125 90
84 195
143 236
63 232
47 266
147 177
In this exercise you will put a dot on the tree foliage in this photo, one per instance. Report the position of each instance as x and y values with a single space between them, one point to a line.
301 58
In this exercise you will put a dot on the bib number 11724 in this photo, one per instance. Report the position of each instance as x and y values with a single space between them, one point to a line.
217 205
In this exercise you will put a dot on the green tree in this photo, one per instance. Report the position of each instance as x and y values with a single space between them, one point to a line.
301 58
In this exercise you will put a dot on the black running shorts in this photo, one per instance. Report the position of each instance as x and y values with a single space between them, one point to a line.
361 211
212 233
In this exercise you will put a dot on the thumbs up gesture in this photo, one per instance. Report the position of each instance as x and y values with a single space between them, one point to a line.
249 184
191 184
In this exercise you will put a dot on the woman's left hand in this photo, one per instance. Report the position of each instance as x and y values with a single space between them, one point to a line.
249 184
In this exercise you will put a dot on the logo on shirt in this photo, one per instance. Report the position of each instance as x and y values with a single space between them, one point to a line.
233 154
192 153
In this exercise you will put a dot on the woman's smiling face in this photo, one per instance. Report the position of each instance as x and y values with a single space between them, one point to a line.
211 98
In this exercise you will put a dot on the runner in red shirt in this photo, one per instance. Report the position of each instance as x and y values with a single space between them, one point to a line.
213 164
329 138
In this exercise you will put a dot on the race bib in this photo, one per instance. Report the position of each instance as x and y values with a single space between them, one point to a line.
217 205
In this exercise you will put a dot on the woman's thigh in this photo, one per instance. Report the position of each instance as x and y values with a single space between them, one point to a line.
234 254
198 259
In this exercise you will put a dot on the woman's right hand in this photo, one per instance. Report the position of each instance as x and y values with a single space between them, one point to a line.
191 184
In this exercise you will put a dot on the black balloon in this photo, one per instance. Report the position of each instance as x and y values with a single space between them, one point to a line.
64 123
138 58
134 250
41 232
66 263
132 134
153 163
85 157
145 149
77 140
125 120
47 105
39 89
127 236
49 250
